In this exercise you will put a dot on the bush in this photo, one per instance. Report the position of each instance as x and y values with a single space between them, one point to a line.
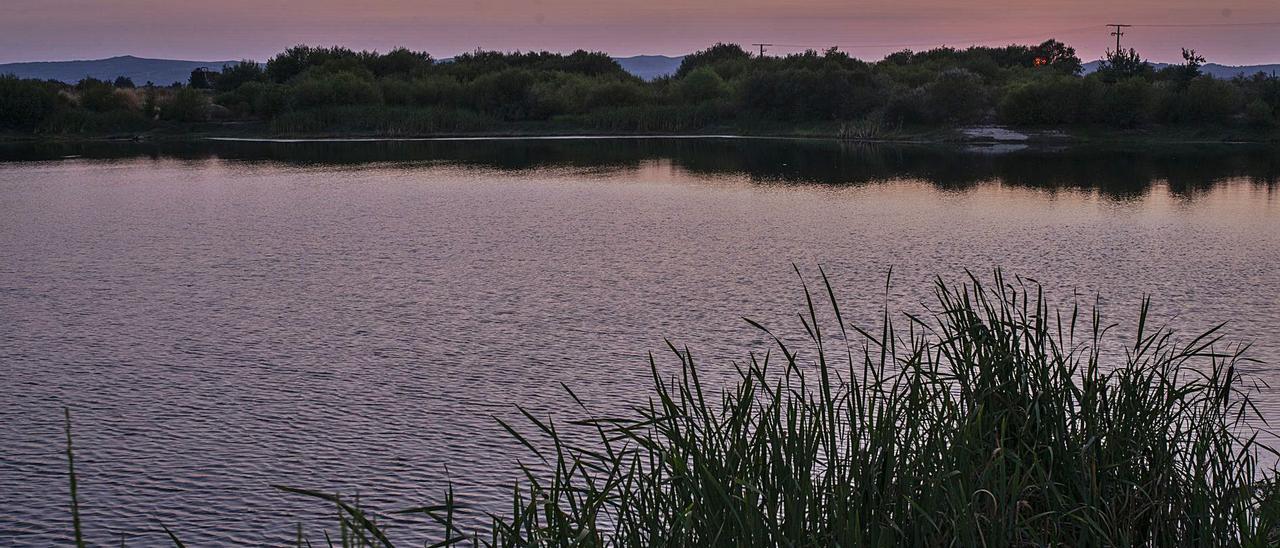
701 85
80 121
1259 114
1208 100
333 90
956 96
506 95
100 96
1125 104
24 104
239 74
186 105
1047 101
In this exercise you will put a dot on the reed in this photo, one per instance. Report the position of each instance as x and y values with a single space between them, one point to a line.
998 420
994 420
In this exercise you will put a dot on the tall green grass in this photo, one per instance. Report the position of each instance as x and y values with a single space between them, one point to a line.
994 420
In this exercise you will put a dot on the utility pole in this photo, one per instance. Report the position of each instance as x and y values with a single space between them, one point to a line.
762 46
1118 33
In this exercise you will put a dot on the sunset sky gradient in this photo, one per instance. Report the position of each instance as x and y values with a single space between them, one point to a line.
42 30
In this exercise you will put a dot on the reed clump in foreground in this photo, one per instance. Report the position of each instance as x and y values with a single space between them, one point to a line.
994 420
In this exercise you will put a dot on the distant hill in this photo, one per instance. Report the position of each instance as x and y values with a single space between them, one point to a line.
167 71
158 71
649 67
1218 71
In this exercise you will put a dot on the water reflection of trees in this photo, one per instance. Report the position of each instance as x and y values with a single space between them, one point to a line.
1119 173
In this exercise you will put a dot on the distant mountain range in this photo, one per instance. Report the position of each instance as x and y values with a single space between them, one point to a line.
1218 71
167 71
158 71
648 67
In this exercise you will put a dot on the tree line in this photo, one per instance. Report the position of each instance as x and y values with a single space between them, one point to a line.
333 89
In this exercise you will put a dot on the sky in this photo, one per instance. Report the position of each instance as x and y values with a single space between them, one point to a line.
1239 32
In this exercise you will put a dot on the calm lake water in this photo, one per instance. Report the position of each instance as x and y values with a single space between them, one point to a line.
350 317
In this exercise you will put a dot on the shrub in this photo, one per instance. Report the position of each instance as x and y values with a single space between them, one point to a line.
239 74
1259 114
186 105
1208 100
1061 100
24 104
957 96
505 95
333 90
1125 104
701 85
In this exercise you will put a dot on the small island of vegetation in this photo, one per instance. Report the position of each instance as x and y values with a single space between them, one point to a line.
328 91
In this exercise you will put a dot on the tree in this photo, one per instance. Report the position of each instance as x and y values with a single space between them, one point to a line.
124 82
100 96
234 76
1058 56
186 105
718 54
202 78
702 85
1121 64
401 62
957 96
25 103
150 101
1189 69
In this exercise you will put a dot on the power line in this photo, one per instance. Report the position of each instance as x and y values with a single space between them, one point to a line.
762 46
935 42
1020 37
1118 32
1208 25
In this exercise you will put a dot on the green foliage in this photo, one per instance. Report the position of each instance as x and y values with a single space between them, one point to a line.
202 78
826 87
239 74
1259 114
25 103
87 122
956 96
1208 100
723 86
1045 101
123 82
99 96
338 89
702 85
730 58
506 95
1122 65
186 105
1125 104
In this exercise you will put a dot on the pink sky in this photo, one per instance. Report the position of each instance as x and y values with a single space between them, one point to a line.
34 30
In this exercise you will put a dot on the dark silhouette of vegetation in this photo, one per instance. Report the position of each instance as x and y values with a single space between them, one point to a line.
309 89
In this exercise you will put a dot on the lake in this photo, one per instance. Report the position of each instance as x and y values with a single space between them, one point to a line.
351 316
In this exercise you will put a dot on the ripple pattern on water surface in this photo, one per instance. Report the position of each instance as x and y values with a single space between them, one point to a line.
220 325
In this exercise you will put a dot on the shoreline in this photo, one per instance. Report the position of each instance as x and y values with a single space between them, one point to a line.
975 135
